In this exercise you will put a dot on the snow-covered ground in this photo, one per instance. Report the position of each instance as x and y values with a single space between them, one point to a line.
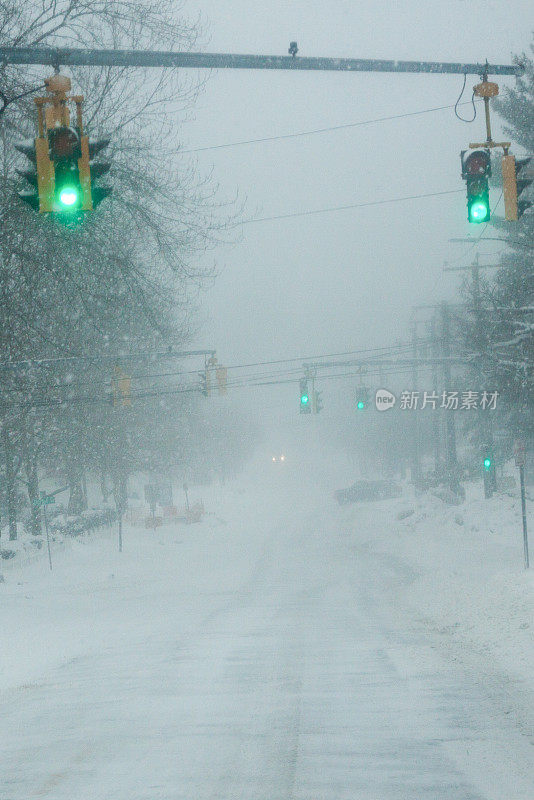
283 649
464 571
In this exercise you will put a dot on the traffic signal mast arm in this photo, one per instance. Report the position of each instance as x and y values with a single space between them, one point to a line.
153 58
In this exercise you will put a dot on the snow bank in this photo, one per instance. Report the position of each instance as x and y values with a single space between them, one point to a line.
465 578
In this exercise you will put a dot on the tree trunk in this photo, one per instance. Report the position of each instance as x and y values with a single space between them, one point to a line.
32 478
33 494
10 484
76 499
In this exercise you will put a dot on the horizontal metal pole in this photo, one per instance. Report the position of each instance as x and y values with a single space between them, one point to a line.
43 362
392 362
153 58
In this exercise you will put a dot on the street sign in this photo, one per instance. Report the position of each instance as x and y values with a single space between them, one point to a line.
46 499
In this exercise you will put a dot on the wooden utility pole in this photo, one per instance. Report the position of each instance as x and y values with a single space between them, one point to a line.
450 421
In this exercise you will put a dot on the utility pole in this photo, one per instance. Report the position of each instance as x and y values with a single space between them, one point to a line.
416 458
451 456
436 418
520 457
484 420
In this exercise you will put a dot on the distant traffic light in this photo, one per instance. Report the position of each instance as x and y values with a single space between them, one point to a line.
317 402
222 379
476 169
121 386
514 208
205 382
362 398
488 467
305 401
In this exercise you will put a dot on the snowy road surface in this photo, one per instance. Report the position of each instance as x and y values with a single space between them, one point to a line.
247 659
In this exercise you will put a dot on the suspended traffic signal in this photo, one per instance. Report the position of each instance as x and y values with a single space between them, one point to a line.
64 171
121 386
362 398
476 169
305 401
205 382
514 208
317 402
222 379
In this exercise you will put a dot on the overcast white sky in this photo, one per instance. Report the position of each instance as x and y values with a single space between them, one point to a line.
338 281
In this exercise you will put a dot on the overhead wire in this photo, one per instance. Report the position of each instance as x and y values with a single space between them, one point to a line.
327 129
462 119
239 382
349 206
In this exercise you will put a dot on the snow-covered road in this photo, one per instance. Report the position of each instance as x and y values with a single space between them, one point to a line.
250 658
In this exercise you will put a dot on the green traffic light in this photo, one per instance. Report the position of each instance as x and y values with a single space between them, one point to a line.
68 196
479 211
487 463
304 399
360 405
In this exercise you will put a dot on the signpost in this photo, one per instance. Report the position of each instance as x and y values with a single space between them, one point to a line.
46 499
520 458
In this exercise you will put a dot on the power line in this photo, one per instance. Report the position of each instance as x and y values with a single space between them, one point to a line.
351 205
319 130
236 382
44 361
180 389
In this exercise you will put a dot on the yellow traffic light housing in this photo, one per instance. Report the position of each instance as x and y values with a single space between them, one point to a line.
121 386
512 188
509 183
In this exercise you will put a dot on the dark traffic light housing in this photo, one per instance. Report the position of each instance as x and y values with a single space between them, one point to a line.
65 153
476 169
305 399
362 398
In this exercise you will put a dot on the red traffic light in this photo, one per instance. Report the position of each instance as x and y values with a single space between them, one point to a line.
477 163
64 144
